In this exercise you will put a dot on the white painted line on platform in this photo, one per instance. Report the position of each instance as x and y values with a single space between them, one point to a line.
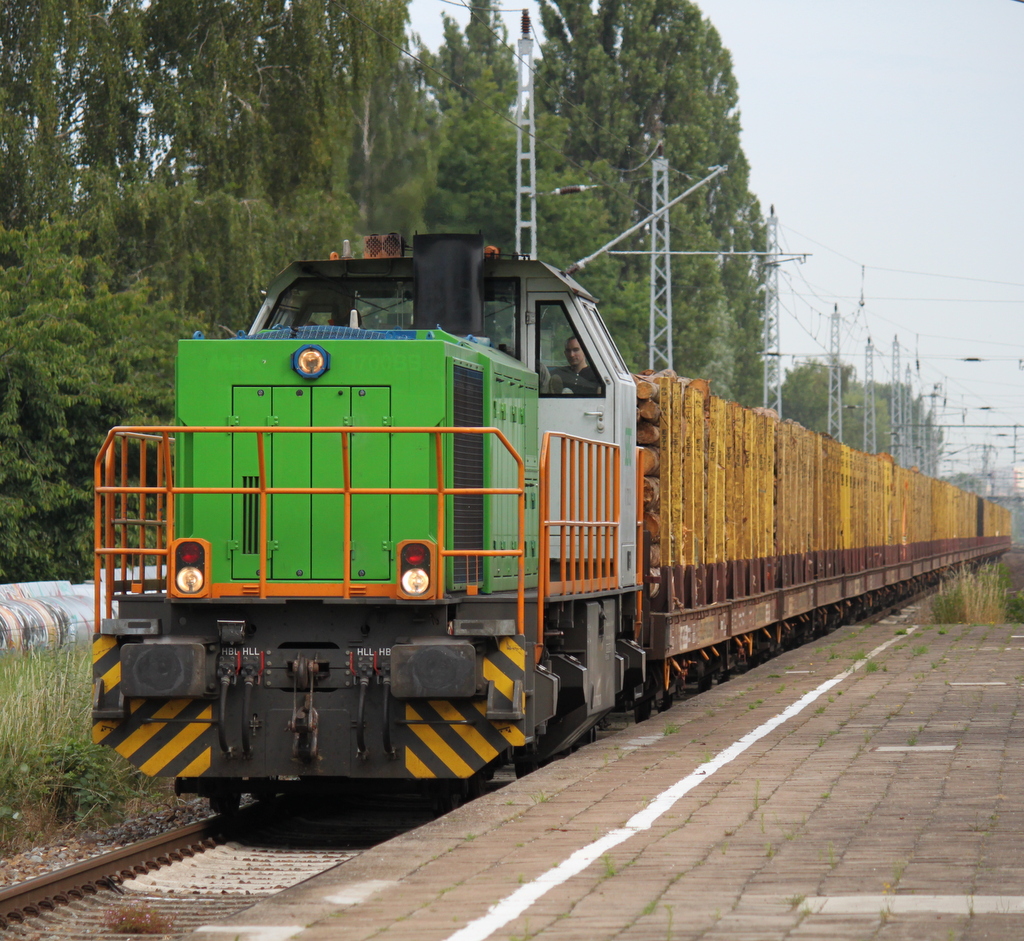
256 932
798 671
512 906
977 684
875 905
1017 637
915 748
358 892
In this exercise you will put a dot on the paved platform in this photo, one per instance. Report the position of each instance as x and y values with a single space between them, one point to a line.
868 785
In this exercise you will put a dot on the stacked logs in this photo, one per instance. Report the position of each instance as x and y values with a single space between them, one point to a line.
648 436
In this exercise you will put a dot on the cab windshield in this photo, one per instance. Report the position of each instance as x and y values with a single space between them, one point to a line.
379 303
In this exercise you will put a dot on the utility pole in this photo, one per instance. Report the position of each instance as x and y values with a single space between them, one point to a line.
526 154
988 452
660 339
770 346
909 422
933 443
870 440
896 406
835 381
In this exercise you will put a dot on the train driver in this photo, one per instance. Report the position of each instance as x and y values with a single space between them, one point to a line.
578 378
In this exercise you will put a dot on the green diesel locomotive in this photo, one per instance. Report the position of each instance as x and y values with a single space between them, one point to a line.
334 565
394 534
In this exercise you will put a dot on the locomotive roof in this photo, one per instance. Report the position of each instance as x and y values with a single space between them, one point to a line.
508 266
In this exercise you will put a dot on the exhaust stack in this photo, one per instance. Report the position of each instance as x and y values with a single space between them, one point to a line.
448 283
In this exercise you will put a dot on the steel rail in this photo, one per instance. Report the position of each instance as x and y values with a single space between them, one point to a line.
44 893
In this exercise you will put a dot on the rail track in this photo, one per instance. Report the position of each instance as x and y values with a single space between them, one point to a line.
105 873
204 872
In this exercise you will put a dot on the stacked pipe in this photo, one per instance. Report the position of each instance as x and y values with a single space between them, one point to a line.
45 614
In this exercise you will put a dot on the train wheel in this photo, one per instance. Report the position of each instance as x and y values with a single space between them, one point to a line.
447 795
642 710
225 804
525 766
475 786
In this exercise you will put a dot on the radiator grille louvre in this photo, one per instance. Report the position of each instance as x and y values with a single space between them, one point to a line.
250 518
468 471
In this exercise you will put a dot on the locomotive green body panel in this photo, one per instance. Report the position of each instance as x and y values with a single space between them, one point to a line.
433 380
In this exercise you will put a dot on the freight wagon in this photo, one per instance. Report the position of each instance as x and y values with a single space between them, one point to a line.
401 531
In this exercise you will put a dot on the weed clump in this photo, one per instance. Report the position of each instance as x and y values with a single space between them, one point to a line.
972 597
52 776
136 918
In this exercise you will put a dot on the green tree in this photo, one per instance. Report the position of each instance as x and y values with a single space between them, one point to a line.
805 400
393 163
475 181
627 77
75 359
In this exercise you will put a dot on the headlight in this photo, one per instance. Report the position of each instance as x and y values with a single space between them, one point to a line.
189 580
415 581
311 361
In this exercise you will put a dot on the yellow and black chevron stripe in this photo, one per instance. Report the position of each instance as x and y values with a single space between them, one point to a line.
179 746
504 668
106 666
454 739
446 739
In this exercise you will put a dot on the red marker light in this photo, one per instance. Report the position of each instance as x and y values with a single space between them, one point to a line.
415 554
190 553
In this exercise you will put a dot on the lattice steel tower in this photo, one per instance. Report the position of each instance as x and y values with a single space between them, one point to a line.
770 349
870 423
910 435
835 380
660 339
526 154
896 406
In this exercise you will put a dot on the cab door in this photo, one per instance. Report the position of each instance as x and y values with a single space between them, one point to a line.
603 408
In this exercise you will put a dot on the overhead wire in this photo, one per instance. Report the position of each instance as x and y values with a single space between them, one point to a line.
883 362
944 378
923 274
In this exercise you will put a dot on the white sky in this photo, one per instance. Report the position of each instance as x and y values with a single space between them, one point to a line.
887 133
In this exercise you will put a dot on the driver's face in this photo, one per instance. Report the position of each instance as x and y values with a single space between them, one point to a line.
574 355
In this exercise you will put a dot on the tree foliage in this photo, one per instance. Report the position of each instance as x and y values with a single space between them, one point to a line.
75 359
805 400
161 159
627 77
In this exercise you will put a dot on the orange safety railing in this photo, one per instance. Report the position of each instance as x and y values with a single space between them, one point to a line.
579 514
134 521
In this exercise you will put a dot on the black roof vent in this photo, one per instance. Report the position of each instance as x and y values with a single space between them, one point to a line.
448 283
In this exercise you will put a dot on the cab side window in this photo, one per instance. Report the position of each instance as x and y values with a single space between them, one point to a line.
563 363
501 314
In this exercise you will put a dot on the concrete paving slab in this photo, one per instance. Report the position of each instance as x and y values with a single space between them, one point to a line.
810 832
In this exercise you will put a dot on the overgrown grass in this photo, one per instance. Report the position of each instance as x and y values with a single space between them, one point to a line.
136 917
52 777
972 597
